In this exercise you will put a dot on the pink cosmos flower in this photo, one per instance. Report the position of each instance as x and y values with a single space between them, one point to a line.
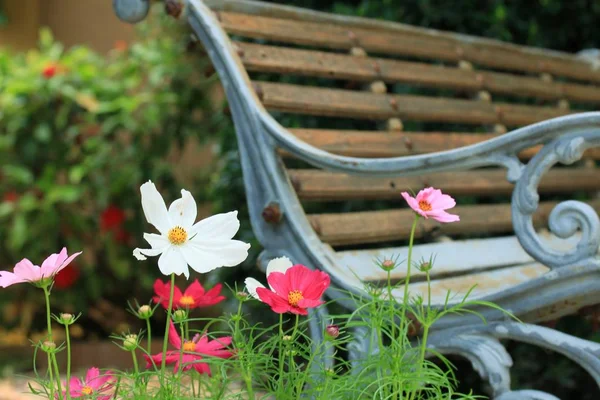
193 350
432 203
25 271
295 290
93 386
193 297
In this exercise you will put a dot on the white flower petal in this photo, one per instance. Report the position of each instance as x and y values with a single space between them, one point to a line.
279 264
217 227
154 207
209 255
172 262
183 211
141 253
251 286
156 241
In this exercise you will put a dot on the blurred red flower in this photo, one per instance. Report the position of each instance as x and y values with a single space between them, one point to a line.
67 276
50 70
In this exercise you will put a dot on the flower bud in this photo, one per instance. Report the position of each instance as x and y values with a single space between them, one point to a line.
332 331
179 316
425 266
387 265
66 319
145 312
48 346
242 296
286 338
130 342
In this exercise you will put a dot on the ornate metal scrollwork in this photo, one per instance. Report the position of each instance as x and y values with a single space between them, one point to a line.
567 217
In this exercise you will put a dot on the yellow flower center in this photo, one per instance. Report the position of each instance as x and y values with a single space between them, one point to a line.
189 346
187 301
294 297
425 206
177 235
87 390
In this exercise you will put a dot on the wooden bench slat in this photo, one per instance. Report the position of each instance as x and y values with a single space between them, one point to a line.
416 43
314 185
484 283
263 58
256 57
377 144
388 225
309 100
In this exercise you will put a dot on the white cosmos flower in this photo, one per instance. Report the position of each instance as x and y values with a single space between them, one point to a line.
204 246
280 264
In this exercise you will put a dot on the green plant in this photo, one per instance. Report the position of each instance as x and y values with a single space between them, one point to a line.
78 131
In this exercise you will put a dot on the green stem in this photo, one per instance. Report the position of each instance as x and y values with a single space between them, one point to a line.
180 370
136 368
280 352
57 375
166 338
239 339
51 358
409 261
51 376
392 303
428 290
149 339
68 360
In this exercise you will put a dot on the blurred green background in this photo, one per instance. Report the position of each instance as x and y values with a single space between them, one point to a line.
83 124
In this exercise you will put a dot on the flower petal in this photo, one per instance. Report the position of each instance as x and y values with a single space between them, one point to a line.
92 373
277 303
209 255
162 290
156 241
53 261
217 227
28 272
183 211
443 216
141 253
154 207
171 261
8 278
251 286
280 264
280 283
174 338
212 297
442 202
63 265
412 202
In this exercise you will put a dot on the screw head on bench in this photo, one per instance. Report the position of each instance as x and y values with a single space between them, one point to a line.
394 103
173 8
272 213
131 11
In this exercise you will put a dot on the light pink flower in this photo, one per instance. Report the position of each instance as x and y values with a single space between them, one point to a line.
432 203
192 351
25 271
93 386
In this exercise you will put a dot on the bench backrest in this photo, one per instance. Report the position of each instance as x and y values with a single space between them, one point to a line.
409 91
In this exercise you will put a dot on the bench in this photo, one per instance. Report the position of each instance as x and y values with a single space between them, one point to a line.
342 114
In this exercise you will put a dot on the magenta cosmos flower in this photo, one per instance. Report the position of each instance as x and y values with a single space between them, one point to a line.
93 386
193 297
294 291
25 271
432 203
193 351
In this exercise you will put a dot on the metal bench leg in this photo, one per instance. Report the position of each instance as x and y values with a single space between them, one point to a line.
480 344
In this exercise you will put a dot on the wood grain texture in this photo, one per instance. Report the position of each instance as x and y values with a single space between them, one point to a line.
389 225
376 144
318 185
308 100
408 41
283 60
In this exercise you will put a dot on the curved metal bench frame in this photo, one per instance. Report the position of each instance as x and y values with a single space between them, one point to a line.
574 277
